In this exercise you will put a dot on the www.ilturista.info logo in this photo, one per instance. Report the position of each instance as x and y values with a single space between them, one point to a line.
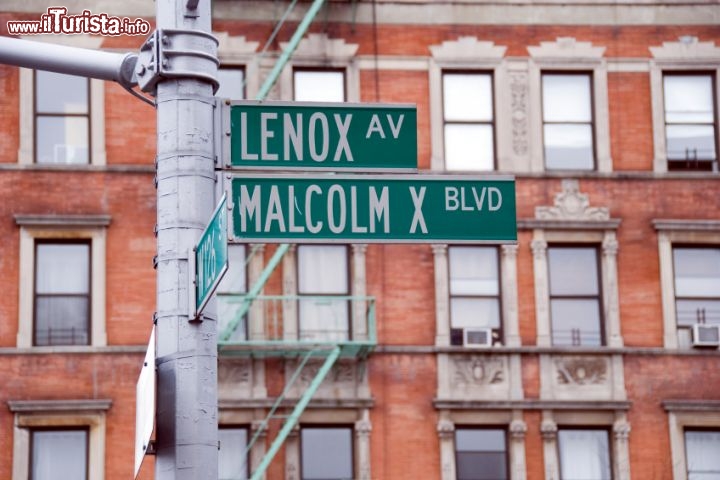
57 21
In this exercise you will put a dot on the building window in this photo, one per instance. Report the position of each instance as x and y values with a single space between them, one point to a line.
690 128
468 121
697 286
702 447
232 83
59 454
229 294
232 455
62 118
567 121
323 273
481 454
474 292
319 85
326 453
575 308
62 293
584 454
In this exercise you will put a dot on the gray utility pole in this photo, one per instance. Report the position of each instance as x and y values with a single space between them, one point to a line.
179 64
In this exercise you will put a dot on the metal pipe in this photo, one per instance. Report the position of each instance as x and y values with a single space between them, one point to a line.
84 62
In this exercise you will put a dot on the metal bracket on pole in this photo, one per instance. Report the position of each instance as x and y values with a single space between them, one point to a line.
172 53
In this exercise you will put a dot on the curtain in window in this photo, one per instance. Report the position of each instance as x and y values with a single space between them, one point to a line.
232 461
59 455
584 455
703 455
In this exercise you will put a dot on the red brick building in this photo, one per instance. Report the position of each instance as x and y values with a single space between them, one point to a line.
588 350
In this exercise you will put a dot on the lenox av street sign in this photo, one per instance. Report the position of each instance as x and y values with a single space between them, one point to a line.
372 208
322 136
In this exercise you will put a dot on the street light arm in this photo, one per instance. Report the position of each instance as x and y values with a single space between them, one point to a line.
84 62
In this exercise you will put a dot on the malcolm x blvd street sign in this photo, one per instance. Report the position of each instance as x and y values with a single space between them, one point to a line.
371 208
322 136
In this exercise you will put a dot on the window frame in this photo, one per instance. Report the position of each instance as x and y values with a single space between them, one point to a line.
690 246
713 164
499 332
685 430
37 114
89 322
31 446
239 67
593 127
348 292
595 428
492 122
501 428
326 426
598 297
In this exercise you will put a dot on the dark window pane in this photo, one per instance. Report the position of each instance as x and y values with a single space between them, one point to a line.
326 453
59 93
575 322
584 455
480 454
61 320
232 461
568 146
573 271
62 140
59 455
319 86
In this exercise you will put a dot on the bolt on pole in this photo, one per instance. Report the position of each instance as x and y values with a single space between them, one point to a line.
183 61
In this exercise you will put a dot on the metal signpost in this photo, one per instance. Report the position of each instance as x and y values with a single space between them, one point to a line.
145 404
210 258
372 208
320 136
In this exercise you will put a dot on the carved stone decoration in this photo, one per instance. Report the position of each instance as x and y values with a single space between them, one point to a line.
231 46
621 430
570 204
518 428
478 370
319 45
581 370
469 49
445 429
519 112
539 249
687 47
548 430
234 378
566 48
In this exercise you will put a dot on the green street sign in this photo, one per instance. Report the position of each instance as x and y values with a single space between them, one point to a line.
211 256
322 136
372 209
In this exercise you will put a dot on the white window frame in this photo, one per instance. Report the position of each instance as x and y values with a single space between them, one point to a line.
51 227
31 414
238 52
26 151
319 51
567 54
685 232
467 55
688 414
509 420
614 421
687 55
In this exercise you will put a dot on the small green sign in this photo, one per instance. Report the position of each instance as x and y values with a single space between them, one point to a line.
323 136
379 209
211 256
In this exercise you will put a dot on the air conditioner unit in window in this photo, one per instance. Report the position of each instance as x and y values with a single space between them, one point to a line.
705 335
478 337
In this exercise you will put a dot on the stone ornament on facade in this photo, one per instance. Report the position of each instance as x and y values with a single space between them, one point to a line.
518 428
581 370
446 429
566 48
570 204
687 48
519 91
319 45
467 49
234 372
478 370
539 249
548 430
621 430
